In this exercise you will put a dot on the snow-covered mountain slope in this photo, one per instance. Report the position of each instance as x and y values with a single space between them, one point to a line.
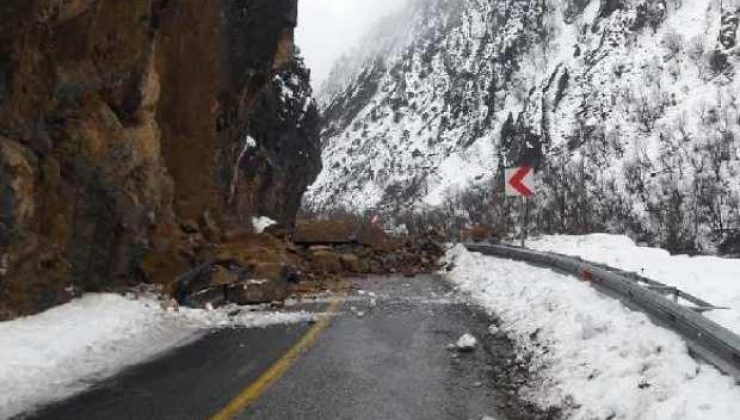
628 108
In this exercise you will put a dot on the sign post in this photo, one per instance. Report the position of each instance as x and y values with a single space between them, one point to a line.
525 224
520 183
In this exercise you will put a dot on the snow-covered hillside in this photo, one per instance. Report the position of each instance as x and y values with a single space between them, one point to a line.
628 108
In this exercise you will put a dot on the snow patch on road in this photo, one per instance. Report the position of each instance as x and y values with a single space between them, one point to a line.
591 354
466 343
714 279
63 351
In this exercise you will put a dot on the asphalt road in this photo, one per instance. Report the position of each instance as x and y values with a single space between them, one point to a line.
384 356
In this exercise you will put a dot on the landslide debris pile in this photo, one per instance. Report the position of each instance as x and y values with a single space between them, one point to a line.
345 247
248 268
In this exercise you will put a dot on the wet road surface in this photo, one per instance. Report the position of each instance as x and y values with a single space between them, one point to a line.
384 356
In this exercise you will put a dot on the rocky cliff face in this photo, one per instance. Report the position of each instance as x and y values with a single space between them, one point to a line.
628 108
283 164
120 122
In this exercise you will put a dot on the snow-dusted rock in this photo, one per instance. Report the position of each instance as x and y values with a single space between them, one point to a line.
259 224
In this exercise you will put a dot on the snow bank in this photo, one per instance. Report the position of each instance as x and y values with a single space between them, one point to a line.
593 355
56 354
716 280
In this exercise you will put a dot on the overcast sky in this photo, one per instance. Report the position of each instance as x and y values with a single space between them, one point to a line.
328 28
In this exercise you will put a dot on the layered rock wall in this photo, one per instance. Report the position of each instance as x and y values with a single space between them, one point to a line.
120 121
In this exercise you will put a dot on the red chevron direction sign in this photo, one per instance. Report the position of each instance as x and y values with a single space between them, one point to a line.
520 181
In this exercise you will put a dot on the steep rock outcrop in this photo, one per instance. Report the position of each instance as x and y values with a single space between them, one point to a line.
118 122
282 164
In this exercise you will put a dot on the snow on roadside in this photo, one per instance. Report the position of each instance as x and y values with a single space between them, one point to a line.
591 354
714 279
58 353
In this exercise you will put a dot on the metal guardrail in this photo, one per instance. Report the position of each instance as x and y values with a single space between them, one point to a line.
706 339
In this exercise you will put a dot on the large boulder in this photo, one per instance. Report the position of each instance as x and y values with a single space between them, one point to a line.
327 261
222 282
374 237
325 232
256 291
341 232
354 264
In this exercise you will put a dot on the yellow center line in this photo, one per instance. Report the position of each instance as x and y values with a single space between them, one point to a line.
247 397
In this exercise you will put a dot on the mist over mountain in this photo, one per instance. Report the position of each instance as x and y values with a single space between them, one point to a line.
627 108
